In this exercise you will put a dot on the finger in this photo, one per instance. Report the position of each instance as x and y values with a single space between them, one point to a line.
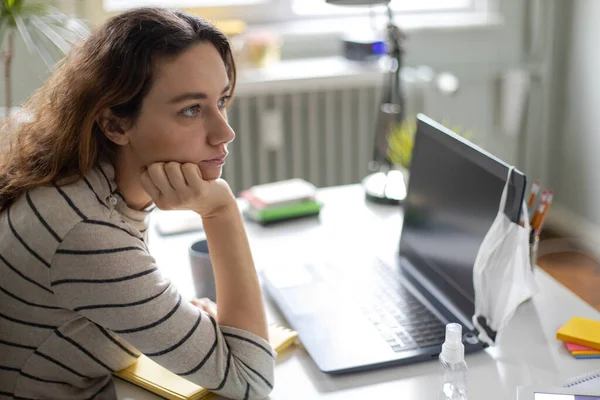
149 186
213 308
203 302
192 175
196 302
210 308
158 175
206 305
175 176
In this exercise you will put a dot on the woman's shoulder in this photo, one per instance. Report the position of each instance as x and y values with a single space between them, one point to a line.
58 209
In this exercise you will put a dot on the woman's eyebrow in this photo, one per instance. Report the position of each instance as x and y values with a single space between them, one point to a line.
188 96
195 95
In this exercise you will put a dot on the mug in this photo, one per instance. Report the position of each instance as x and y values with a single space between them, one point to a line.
202 271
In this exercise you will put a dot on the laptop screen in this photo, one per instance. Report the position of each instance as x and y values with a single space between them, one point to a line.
453 197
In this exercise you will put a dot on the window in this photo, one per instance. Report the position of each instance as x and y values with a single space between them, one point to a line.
266 11
117 5
319 7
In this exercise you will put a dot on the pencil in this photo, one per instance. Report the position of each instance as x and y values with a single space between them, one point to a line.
539 210
545 212
535 189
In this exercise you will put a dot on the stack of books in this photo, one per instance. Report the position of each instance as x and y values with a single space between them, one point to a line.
281 201
581 337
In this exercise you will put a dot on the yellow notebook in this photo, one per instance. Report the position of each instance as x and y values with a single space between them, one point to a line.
582 331
149 375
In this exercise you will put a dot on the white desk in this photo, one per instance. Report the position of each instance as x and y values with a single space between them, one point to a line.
527 352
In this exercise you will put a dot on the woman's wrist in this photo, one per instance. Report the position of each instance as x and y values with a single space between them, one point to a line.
226 211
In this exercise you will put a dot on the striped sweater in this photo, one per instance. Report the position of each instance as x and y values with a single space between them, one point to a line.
81 297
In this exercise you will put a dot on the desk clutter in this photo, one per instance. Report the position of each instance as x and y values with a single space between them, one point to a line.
149 375
581 337
537 208
281 201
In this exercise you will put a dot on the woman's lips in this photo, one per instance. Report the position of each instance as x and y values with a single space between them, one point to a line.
216 161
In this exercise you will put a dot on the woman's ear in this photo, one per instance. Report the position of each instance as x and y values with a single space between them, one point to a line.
112 126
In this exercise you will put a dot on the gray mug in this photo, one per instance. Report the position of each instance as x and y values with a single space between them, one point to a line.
202 271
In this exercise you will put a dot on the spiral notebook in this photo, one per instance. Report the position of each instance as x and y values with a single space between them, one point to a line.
589 381
149 375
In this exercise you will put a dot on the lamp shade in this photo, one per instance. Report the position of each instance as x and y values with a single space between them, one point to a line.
358 2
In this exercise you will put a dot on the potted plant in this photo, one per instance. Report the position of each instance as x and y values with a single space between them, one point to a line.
44 29
401 141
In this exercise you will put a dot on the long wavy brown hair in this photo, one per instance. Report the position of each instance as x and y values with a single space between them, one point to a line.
60 139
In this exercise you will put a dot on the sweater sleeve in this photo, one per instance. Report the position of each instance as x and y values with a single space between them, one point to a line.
109 277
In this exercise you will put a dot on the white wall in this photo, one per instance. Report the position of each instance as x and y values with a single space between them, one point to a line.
578 183
575 166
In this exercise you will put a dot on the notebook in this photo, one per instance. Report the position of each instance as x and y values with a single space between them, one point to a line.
149 375
281 193
589 381
582 331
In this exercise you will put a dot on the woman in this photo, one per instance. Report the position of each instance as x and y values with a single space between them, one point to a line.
135 115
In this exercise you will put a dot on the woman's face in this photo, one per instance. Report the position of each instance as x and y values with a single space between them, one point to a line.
183 117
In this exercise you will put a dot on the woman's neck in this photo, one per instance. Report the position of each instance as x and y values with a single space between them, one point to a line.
127 176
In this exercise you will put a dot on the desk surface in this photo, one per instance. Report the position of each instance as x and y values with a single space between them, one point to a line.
527 352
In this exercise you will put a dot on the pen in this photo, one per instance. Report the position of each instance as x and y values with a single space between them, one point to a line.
539 210
535 189
545 212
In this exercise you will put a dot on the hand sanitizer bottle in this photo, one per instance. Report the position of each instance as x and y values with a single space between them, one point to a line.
452 358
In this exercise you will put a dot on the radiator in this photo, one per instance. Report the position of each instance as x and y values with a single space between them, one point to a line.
319 128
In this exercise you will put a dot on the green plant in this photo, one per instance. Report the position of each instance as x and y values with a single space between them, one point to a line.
43 28
402 136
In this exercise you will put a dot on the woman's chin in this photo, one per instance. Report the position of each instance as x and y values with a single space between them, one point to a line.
210 173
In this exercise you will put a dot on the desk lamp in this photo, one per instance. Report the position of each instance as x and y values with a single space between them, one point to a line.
387 185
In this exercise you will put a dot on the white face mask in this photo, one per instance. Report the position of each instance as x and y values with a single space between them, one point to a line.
502 274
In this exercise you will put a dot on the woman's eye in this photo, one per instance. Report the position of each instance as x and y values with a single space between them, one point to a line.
224 101
191 112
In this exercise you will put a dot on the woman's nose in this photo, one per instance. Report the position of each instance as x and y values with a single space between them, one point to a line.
219 131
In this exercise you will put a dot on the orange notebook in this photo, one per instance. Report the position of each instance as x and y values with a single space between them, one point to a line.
149 375
582 331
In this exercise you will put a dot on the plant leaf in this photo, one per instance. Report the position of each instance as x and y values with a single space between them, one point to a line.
38 9
47 31
74 25
22 27
69 36
42 49
61 22
44 29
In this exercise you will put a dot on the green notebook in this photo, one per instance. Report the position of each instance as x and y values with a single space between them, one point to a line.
284 212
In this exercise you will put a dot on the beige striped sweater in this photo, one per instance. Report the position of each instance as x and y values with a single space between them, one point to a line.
80 297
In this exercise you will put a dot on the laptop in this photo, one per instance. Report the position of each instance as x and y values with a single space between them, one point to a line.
402 307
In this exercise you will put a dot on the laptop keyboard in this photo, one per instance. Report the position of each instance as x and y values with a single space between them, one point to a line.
401 319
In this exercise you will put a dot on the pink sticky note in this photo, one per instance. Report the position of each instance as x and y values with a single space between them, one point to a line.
578 347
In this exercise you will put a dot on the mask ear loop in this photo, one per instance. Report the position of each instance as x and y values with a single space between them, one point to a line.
483 331
505 191
486 334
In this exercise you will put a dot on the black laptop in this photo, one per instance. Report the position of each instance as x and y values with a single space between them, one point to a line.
453 196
